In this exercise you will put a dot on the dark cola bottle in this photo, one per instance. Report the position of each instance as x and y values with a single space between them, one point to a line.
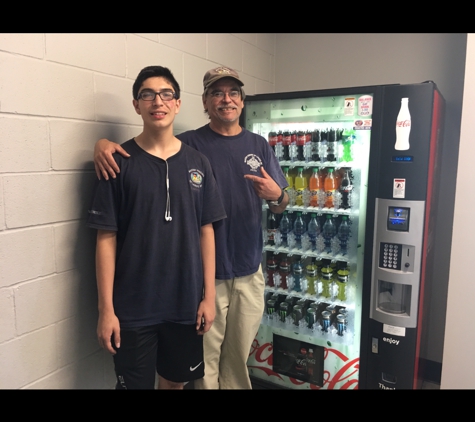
272 138
272 226
301 138
345 189
316 145
286 141
331 145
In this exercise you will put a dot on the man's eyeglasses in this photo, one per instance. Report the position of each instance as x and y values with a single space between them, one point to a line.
151 95
233 94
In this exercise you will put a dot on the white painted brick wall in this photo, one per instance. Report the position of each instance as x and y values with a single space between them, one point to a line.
191 113
40 303
60 93
142 52
29 133
194 44
225 49
72 141
195 68
113 100
96 371
43 198
26 44
7 315
75 50
82 326
2 213
28 358
26 254
37 87
72 243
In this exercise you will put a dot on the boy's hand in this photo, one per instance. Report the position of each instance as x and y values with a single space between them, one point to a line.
108 331
205 316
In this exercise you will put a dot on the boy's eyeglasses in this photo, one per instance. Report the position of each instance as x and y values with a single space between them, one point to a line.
151 95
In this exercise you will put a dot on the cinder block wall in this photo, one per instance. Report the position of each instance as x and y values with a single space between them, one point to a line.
60 93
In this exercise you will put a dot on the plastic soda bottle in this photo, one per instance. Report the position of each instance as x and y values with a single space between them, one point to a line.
326 276
286 141
284 272
293 145
329 231
301 138
272 138
299 229
288 177
331 145
300 185
284 227
272 226
347 142
344 234
308 146
330 188
313 230
311 275
323 145
278 147
316 145
345 188
272 267
297 272
341 282
314 186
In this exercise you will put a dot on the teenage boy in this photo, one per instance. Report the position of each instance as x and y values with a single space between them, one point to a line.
155 256
246 171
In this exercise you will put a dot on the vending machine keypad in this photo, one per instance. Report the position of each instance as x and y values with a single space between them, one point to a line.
390 256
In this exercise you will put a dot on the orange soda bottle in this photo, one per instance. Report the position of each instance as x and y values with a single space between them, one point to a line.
330 188
314 186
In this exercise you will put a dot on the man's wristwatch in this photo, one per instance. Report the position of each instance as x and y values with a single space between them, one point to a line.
278 202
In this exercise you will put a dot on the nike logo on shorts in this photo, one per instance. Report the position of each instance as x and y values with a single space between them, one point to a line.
192 369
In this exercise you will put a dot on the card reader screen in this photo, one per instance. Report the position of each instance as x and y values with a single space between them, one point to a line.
398 219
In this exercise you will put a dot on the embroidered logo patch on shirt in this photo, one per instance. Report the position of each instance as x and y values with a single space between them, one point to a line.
253 161
196 178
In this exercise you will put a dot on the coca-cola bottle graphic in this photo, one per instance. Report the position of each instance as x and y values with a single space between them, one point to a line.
403 126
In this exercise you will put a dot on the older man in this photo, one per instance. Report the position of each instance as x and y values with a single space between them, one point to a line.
246 170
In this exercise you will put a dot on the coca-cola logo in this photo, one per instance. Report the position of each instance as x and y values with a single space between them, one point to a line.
403 123
346 377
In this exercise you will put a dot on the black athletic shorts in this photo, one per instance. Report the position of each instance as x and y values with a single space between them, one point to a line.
174 351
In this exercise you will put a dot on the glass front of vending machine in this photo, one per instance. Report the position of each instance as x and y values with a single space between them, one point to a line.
309 337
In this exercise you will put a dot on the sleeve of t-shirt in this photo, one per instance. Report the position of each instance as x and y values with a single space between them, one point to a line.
213 209
102 212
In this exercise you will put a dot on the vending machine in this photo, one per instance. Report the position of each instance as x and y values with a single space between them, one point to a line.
347 265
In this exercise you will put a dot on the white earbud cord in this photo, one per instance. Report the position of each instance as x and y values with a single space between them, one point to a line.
168 216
